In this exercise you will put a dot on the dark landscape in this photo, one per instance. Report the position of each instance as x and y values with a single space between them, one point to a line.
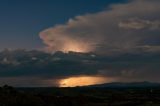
79 52
112 94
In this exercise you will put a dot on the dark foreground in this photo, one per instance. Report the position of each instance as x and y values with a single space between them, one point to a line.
80 96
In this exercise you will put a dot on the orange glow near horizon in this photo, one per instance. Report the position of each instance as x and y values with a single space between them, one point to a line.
75 46
83 81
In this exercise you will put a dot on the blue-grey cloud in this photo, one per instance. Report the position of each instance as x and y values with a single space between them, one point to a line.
37 68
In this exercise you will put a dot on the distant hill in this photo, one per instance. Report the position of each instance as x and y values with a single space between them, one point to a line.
127 85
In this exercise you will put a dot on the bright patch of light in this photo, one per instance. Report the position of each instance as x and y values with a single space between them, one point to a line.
83 81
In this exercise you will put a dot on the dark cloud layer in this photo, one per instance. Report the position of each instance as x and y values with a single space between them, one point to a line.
35 68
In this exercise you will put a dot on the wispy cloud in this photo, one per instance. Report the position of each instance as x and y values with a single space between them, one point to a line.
139 24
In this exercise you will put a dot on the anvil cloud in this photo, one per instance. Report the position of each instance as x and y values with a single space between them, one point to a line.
122 28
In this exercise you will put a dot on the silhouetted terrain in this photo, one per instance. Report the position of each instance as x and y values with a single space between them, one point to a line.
127 85
81 96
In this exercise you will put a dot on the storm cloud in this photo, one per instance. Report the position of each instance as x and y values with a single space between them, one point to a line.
105 32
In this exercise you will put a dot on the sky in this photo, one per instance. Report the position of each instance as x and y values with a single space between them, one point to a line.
88 41
23 20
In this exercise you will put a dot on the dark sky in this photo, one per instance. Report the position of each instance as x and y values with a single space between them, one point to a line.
116 40
22 20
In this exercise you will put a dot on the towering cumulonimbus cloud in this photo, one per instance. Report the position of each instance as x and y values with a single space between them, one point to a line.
123 28
57 40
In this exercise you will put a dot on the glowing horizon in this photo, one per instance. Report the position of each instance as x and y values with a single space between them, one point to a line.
83 81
